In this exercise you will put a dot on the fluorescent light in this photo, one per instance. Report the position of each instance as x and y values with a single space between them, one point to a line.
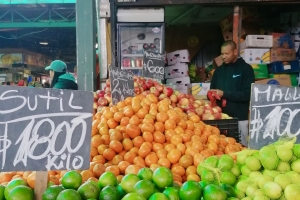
44 43
96 46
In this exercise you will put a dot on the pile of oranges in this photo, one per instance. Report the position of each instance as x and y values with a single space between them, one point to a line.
142 131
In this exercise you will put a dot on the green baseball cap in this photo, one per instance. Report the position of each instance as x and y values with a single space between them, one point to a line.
57 66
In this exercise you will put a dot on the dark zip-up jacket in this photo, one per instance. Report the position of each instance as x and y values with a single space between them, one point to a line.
235 81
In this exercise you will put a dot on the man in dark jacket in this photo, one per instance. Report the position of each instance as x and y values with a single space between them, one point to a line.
232 82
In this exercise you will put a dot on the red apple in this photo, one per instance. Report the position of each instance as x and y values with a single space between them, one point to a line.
200 102
162 96
107 83
95 97
180 96
190 111
208 111
168 91
173 104
102 101
196 105
217 115
217 109
173 98
145 93
108 98
159 87
206 116
101 93
153 89
144 86
184 102
137 90
149 83
200 111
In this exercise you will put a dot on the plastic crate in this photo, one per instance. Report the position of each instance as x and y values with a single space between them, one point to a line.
227 127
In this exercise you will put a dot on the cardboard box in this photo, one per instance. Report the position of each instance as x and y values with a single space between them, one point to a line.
295 30
293 77
178 57
256 56
283 81
282 40
177 71
297 37
218 61
284 67
182 83
297 45
260 71
280 54
246 30
257 41
199 88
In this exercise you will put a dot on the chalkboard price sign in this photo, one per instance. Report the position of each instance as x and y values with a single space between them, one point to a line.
274 112
154 65
44 129
121 83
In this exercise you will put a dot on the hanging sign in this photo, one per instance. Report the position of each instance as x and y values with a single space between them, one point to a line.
121 83
154 65
44 129
274 112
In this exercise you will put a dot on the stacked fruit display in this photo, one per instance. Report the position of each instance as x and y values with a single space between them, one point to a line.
270 173
186 102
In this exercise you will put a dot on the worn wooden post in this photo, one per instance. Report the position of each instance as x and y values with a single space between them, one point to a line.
41 181
236 26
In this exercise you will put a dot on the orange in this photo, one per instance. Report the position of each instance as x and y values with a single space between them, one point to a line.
55 178
181 147
176 177
213 147
176 139
118 116
213 139
98 159
164 162
186 161
132 169
159 126
108 114
182 124
174 156
98 170
148 136
129 156
193 177
124 121
162 117
191 151
198 158
102 148
5 177
159 137
138 141
169 147
194 118
133 131
157 146
122 166
143 152
151 159
198 146
128 112
136 106
146 144
153 167
142 113
86 174
116 135
147 128
31 180
116 146
179 130
114 169
191 170
109 154
96 141
190 125
148 121
112 124
105 139
127 144
170 124
168 134
128 101
178 170
134 120
117 159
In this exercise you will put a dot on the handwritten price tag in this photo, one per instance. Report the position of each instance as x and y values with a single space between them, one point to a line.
44 129
154 65
274 112
121 83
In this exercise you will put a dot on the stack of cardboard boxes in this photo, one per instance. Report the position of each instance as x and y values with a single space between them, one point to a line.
273 58
176 73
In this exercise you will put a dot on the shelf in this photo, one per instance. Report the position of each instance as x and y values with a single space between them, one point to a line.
131 68
132 55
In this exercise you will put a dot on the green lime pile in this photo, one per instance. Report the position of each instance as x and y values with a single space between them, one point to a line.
273 172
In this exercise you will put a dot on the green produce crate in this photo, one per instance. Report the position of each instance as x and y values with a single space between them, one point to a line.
293 78
260 71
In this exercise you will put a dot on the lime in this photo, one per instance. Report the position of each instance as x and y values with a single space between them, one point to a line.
228 178
12 184
253 163
2 188
68 194
52 192
292 192
133 196
212 161
121 191
88 190
158 196
236 170
296 150
50 183
207 176
214 192
230 192
203 184
162 177
128 182
109 193
107 178
172 193
190 190
21 192
145 174
95 184
225 163
272 190
144 187
71 180
200 169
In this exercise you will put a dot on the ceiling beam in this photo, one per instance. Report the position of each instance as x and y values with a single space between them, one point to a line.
187 2
5 2
182 15
38 24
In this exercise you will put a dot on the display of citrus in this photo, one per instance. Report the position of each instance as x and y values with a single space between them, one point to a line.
2 188
144 187
68 194
12 184
21 192
190 190
172 193
134 196
52 192
162 177
88 190
128 182
71 180
145 174
158 196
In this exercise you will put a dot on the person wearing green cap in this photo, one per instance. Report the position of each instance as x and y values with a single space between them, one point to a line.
60 78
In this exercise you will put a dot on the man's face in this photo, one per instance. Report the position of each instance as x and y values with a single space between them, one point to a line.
228 54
